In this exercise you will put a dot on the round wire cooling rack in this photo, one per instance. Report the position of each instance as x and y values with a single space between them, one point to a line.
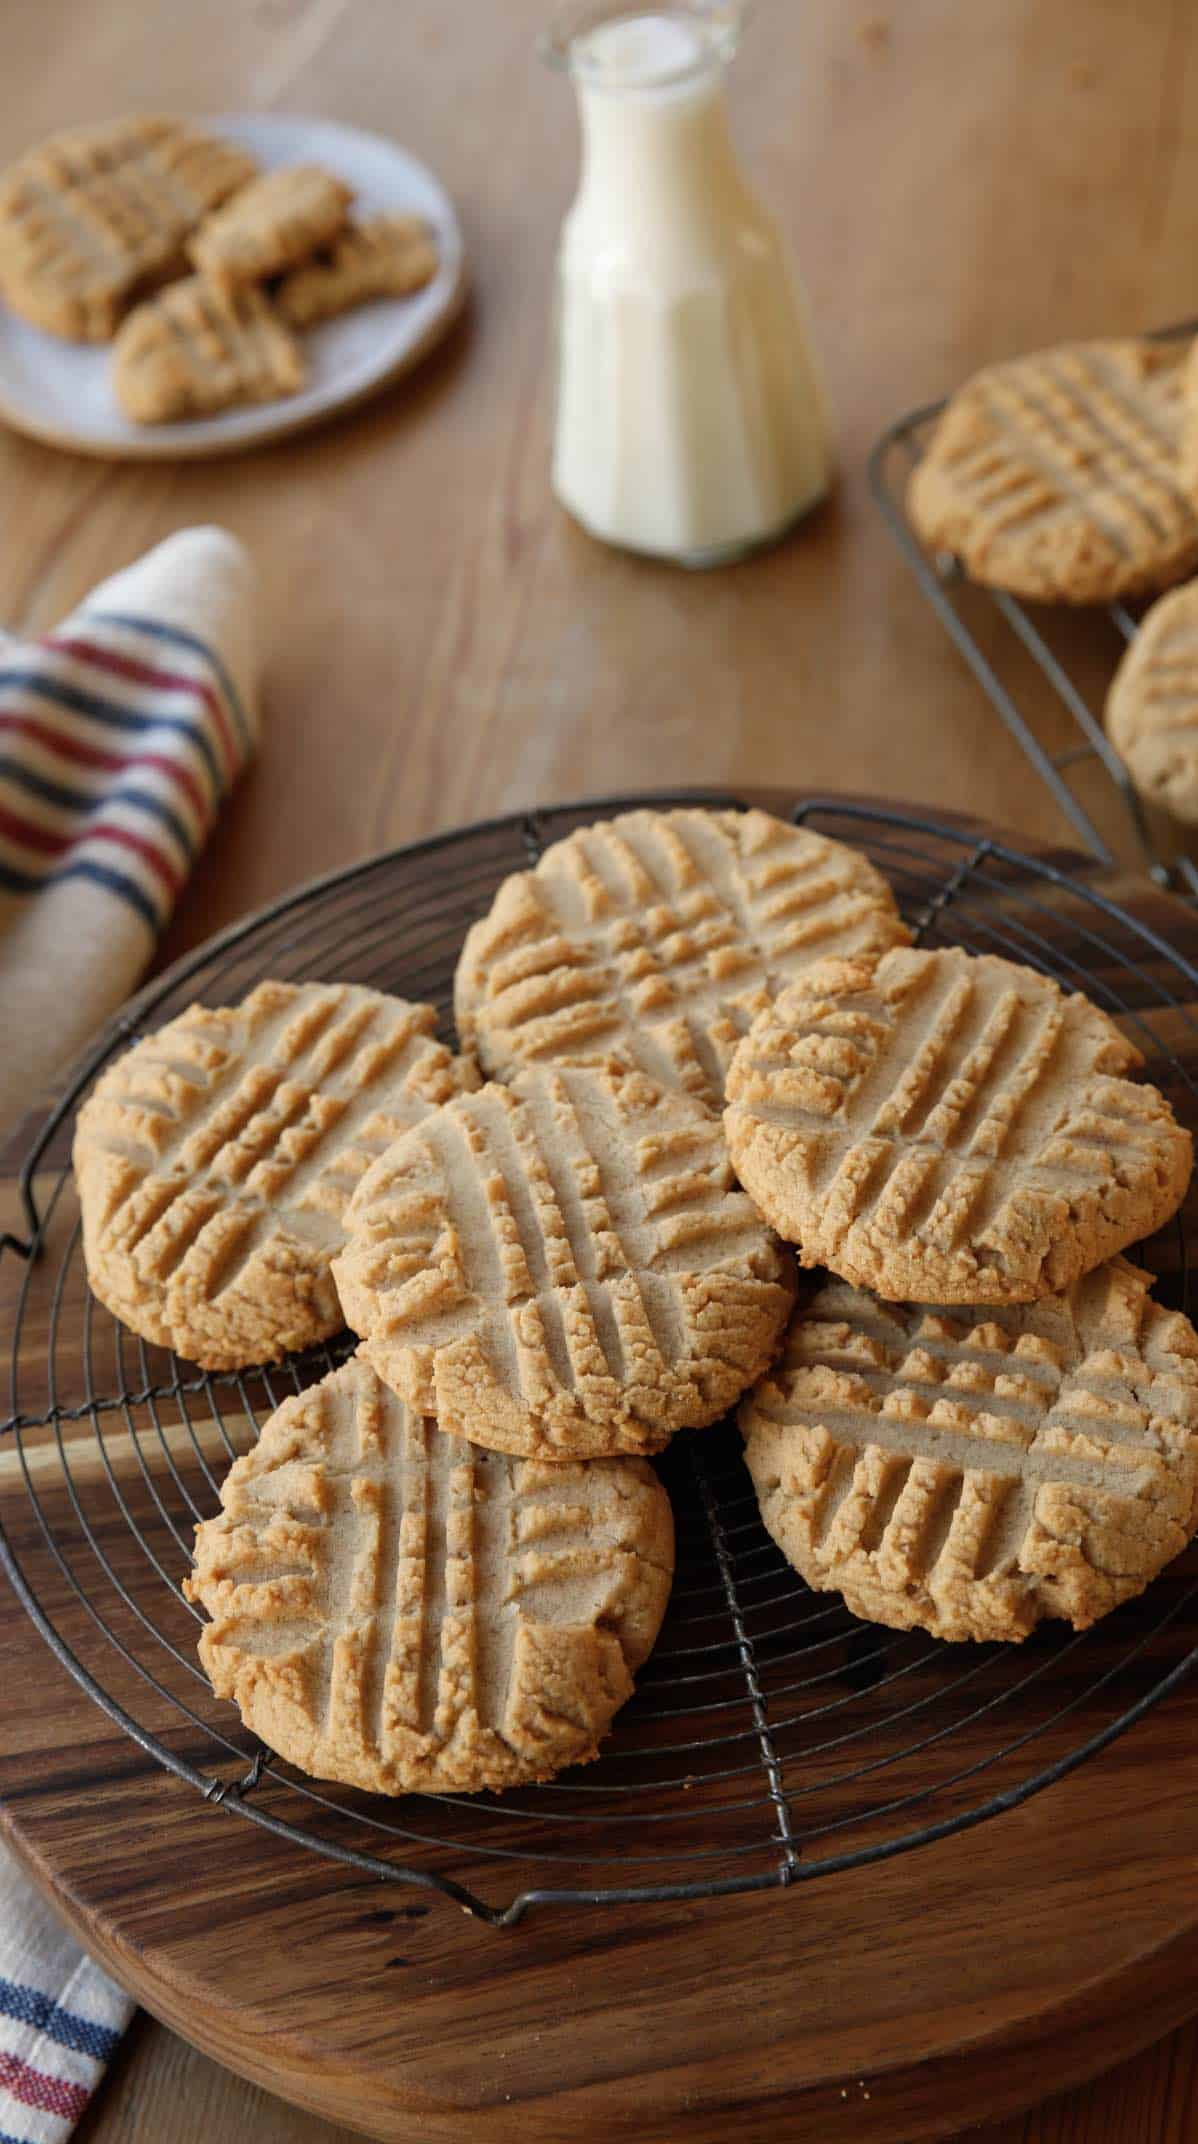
772 1738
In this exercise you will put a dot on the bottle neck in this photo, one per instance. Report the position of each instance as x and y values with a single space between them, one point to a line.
649 155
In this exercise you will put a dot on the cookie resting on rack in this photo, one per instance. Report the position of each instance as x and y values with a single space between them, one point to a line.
970 1472
395 1609
1152 706
564 1267
945 1127
1057 476
656 937
215 1160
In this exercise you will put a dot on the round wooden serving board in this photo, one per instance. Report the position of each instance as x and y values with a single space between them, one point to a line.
886 2004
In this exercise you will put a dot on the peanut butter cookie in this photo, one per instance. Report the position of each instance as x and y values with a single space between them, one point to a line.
564 1267
949 1128
386 257
216 1158
93 219
655 937
397 1610
274 223
970 1472
1152 706
192 351
1057 475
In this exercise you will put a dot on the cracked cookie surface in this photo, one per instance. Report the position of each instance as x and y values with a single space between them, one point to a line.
271 225
948 1127
215 1160
382 257
190 352
1152 706
393 1608
564 1267
656 937
93 218
970 1472
1058 475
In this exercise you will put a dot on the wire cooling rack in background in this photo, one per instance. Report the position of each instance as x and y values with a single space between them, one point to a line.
772 1739
1051 660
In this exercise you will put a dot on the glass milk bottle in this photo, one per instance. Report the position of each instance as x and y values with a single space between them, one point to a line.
690 419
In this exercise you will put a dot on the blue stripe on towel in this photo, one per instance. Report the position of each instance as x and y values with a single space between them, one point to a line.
29 2006
158 630
100 874
86 802
110 712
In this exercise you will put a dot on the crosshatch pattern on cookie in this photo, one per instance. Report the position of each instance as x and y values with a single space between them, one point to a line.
1057 475
216 1158
974 1471
656 936
87 219
394 1608
1152 707
189 352
948 1127
565 1265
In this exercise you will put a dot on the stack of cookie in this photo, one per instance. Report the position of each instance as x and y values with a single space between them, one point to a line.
951 1130
441 1566
1072 476
203 269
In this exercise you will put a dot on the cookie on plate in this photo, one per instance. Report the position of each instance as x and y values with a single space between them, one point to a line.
949 1128
385 257
1057 475
1152 706
656 937
564 1268
271 225
192 351
215 1159
92 219
397 1610
970 1472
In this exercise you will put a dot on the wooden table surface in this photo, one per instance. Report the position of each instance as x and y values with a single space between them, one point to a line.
442 643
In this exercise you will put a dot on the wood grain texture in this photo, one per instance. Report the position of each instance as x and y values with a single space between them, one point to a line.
443 642
160 2090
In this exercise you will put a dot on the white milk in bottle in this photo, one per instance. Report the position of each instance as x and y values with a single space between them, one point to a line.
690 418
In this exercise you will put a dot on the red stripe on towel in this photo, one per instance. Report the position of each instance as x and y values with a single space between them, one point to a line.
141 673
93 755
44 842
36 2088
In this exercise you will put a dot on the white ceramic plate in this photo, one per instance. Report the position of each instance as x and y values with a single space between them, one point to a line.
61 391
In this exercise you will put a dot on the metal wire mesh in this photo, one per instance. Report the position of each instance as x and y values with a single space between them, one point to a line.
773 1738
1046 674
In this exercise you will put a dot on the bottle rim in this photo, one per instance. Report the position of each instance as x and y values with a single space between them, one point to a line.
563 44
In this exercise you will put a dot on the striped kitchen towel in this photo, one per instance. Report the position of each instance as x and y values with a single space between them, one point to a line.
60 2018
120 734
